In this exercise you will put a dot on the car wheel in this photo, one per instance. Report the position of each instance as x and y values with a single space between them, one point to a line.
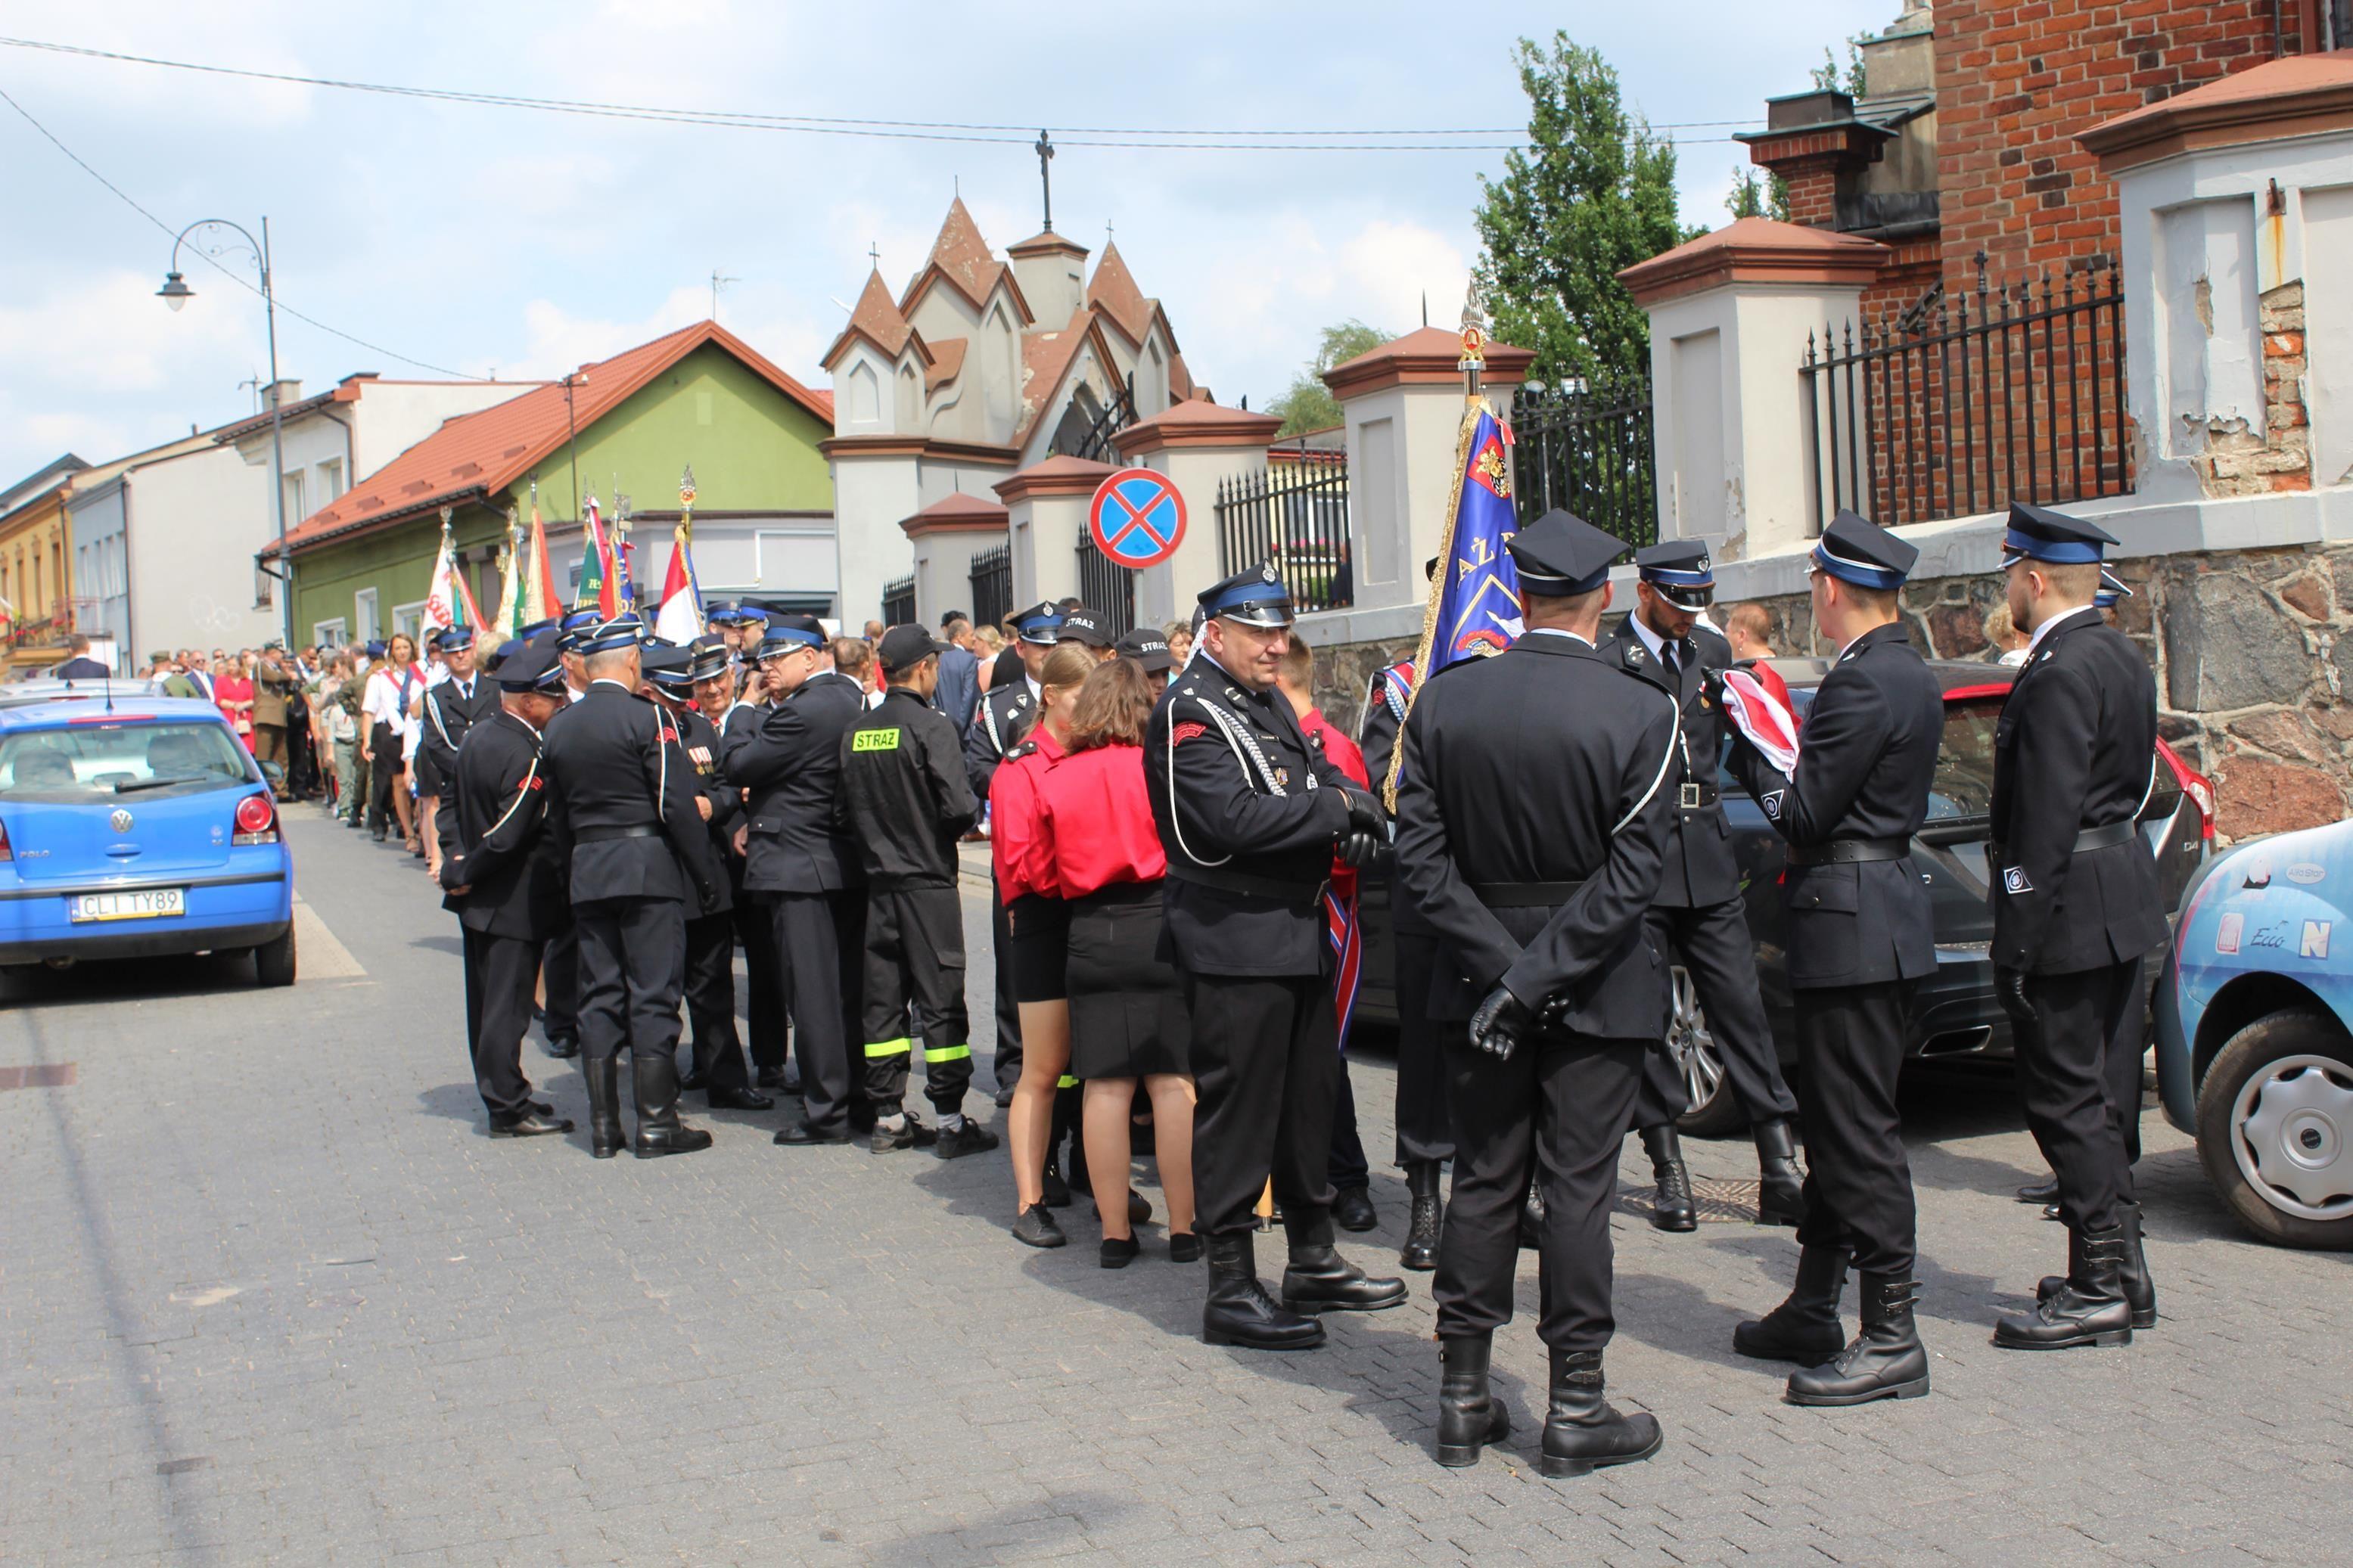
1714 1111
2275 1130
273 962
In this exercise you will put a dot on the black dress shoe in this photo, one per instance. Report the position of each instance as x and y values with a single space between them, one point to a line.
529 1124
1239 1311
1035 1227
543 1107
1352 1209
2042 1191
688 1080
801 1133
738 1100
563 1050
1531 1218
1673 1208
772 1077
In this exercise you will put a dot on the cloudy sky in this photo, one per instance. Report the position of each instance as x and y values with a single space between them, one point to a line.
492 240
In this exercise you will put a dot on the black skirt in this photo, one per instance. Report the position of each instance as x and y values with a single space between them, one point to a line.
1042 929
1127 1008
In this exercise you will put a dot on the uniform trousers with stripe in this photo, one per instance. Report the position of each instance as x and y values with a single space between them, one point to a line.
1265 1053
711 1001
500 972
632 968
914 994
1858 1192
819 942
1557 1108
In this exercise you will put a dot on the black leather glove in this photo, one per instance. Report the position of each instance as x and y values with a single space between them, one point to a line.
1358 848
1365 814
2009 990
1499 1024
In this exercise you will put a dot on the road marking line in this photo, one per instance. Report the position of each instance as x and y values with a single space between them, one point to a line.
319 956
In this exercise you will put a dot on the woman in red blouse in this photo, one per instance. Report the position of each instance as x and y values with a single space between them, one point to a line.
1025 879
1127 1017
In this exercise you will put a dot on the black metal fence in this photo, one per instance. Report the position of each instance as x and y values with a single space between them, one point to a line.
1957 409
992 586
1294 514
1104 584
1095 446
899 602
1588 449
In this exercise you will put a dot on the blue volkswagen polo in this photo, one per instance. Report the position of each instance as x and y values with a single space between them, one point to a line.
134 826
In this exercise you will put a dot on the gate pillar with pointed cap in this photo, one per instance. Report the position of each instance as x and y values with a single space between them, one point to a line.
1402 406
1046 516
1729 315
1195 444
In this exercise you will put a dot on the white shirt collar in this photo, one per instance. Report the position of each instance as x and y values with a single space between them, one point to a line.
1562 631
617 685
2044 630
1036 690
1649 639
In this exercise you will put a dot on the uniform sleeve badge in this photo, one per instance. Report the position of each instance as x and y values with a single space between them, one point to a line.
1185 731
2014 880
1772 805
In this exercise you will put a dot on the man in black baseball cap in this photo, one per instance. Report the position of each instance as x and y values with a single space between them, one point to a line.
1150 649
1086 627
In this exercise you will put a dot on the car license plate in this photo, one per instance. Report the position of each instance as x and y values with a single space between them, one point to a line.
146 904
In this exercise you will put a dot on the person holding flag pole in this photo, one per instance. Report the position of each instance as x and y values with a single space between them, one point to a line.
1531 805
678 617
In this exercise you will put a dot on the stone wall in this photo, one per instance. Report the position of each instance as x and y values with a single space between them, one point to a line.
2251 676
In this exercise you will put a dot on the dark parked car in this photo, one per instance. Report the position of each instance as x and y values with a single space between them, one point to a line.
1955 1016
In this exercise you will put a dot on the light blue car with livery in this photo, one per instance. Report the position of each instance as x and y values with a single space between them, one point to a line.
2253 1020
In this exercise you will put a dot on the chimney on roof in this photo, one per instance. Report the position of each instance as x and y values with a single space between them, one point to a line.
283 391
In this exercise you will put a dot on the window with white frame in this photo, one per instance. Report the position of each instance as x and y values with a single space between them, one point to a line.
365 617
331 482
410 618
330 634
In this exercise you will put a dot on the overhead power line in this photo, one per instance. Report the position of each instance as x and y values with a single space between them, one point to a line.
1193 139
228 272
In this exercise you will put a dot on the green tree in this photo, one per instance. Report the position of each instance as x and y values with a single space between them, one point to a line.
1753 197
1594 192
1308 404
1829 78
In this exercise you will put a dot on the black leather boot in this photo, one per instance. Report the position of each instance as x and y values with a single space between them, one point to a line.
604 1076
1582 1431
1805 1328
2045 1191
1886 1359
1781 1185
1531 1218
654 1077
1420 1252
1672 1209
1240 1311
2090 1308
2140 1292
1468 1416
1320 1280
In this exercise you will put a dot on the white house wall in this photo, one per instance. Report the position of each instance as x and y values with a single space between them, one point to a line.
196 523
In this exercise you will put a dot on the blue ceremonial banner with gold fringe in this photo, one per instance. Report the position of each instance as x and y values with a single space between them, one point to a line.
1475 604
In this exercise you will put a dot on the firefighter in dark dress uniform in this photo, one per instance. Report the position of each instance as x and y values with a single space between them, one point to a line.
1007 709
2076 908
451 709
734 700
1536 792
561 970
800 860
503 863
640 864
1248 815
1698 918
1859 939
719 1069
908 801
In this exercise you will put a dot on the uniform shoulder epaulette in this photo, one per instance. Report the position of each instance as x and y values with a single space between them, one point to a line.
1023 750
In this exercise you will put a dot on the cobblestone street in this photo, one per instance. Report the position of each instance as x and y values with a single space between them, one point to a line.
270 1292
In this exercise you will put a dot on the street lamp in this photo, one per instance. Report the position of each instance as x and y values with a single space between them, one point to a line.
221 238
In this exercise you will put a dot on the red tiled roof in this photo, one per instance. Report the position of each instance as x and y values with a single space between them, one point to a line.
948 358
1754 249
1046 359
960 256
956 513
1113 288
484 452
877 319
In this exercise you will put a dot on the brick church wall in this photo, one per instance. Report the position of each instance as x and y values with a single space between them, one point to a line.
2015 83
